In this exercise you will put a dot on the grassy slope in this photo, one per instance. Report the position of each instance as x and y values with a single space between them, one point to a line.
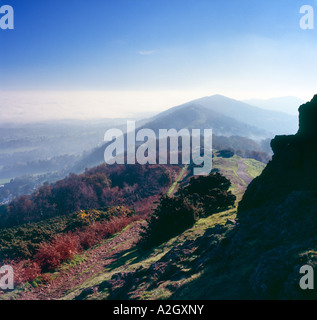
187 252
130 261
229 168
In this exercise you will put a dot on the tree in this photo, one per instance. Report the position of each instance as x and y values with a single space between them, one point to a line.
171 217
202 197
210 193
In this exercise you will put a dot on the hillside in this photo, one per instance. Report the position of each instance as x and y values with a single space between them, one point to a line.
102 186
242 146
197 115
267 121
253 252
26 148
276 232
227 118
105 270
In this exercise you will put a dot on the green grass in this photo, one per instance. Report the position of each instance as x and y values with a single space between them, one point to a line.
23 241
229 168
131 260
254 168
76 260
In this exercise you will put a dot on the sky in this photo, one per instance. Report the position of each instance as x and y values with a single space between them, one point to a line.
115 58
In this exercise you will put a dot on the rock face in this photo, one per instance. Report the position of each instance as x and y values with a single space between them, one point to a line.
294 164
278 215
308 118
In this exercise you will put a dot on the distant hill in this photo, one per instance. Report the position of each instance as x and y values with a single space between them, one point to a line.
195 116
241 146
227 117
283 104
273 122
254 252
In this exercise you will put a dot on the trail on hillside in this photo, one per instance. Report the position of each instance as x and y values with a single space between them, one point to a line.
174 186
96 260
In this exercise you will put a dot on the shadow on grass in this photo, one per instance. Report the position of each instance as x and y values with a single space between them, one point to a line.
131 256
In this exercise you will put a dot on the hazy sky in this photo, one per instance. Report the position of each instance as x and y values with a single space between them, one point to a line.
110 58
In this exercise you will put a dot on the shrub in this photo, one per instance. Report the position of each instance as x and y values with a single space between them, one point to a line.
210 193
95 233
171 217
202 197
120 211
62 247
89 216
24 270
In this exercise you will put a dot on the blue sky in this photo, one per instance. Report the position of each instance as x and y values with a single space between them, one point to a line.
166 51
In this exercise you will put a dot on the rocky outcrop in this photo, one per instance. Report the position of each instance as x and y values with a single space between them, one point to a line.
278 214
293 166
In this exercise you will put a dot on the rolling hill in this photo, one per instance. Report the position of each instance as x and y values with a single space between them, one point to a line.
195 116
254 252
227 117
271 122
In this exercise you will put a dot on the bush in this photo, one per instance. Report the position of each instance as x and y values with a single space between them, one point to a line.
120 211
171 217
210 193
94 234
202 197
24 270
62 247
88 217
91 226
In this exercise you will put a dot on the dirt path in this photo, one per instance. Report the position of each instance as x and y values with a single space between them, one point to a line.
181 175
96 260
